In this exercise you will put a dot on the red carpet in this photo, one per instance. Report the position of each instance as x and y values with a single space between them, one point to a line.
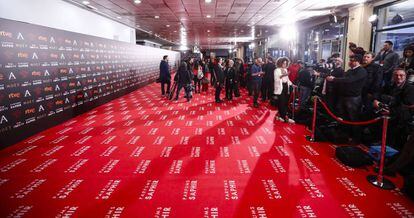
139 156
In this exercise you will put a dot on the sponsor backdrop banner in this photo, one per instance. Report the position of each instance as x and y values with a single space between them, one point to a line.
48 76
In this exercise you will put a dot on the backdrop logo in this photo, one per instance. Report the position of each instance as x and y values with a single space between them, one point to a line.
162 212
6 34
311 188
211 212
230 190
190 190
114 212
306 211
109 188
210 167
148 191
257 212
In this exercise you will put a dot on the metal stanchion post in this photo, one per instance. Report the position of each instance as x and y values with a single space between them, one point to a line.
379 180
315 104
293 106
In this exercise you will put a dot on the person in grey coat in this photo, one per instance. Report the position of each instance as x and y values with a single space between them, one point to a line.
388 60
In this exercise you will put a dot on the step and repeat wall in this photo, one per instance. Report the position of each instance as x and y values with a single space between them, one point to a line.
48 76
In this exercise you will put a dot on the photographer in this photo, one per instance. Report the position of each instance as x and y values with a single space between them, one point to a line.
350 94
398 103
372 87
305 81
331 90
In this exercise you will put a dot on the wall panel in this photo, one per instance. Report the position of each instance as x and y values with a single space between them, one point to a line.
48 76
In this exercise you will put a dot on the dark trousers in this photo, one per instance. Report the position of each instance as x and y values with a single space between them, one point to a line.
163 87
197 83
236 90
229 91
256 86
180 86
218 91
405 157
350 109
305 93
249 85
267 89
387 81
283 101
212 79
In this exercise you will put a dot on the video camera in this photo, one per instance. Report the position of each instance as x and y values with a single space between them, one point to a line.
382 108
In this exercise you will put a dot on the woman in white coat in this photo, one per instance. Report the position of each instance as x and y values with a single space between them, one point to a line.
282 89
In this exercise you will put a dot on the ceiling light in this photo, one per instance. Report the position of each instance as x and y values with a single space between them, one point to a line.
208 16
373 18
208 31
289 32
137 1
85 2
167 25
156 16
208 1
119 17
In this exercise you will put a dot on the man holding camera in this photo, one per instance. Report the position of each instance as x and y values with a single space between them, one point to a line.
398 103
350 94
372 87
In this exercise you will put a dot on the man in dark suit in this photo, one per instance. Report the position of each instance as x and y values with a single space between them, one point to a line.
372 87
351 92
388 60
165 76
219 79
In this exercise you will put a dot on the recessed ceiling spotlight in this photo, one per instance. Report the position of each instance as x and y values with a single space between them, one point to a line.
208 31
157 17
175 31
85 2
137 1
168 25
208 16
208 1
119 17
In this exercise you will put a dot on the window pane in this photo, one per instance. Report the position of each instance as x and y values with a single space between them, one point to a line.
400 37
396 15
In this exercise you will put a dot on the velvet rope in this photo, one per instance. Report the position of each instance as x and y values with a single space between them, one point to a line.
359 123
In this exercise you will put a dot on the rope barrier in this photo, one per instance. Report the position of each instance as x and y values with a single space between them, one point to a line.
376 180
354 123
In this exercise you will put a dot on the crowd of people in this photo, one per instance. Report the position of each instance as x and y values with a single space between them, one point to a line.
375 85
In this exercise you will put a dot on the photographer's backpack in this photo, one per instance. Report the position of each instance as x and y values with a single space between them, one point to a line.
352 156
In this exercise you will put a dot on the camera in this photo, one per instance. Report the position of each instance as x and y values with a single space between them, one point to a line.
382 108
